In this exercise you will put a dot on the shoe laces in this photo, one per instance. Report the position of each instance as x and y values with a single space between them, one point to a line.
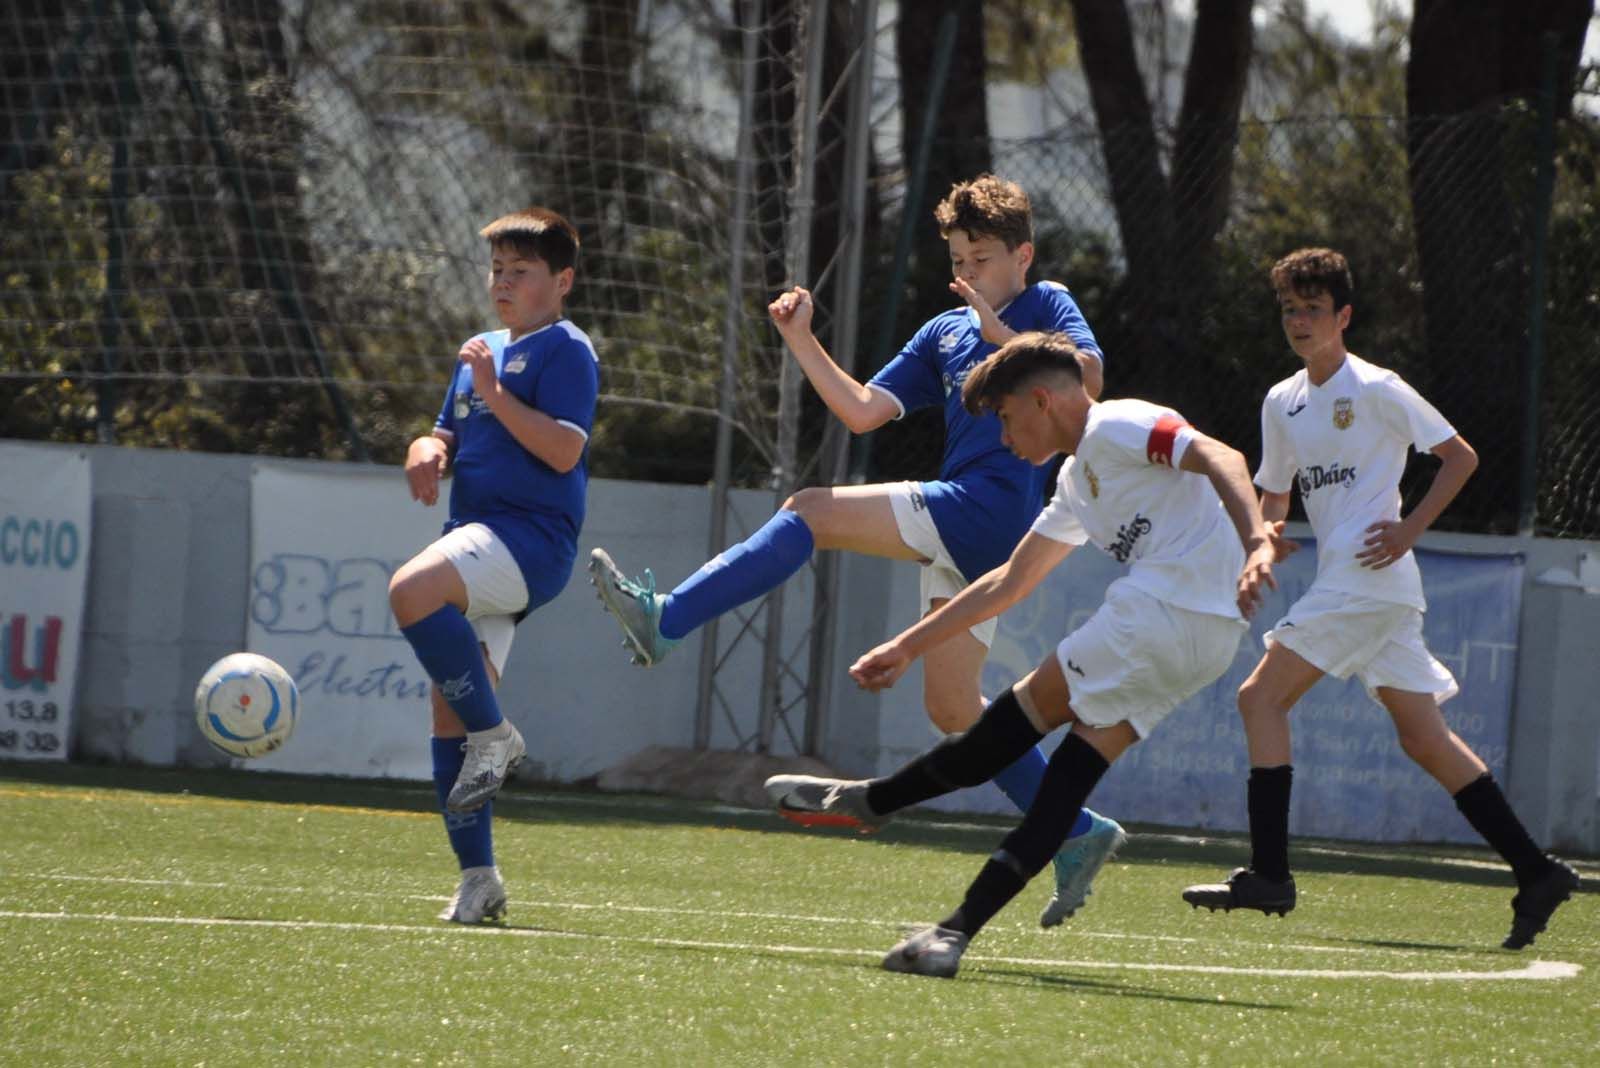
641 589
644 590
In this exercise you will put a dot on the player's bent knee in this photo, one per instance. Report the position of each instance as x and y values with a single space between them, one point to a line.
412 596
810 504
1257 702
952 716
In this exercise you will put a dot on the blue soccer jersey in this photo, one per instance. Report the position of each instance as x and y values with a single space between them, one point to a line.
535 509
986 497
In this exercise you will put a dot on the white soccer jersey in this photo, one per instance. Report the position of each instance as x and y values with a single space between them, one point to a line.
1122 490
1345 443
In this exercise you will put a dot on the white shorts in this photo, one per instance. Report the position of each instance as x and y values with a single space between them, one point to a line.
941 578
1137 658
1378 641
496 591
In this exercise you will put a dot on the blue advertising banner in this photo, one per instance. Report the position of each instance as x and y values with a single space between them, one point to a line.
1351 778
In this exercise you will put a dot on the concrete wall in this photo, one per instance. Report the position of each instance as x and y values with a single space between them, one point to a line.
169 581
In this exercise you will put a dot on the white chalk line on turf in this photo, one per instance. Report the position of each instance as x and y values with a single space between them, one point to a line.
945 822
1534 970
721 914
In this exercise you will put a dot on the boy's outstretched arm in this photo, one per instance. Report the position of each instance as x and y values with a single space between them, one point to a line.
1030 562
1226 469
859 408
1390 539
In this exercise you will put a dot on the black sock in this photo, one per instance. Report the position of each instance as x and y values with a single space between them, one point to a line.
1075 769
1269 821
1485 807
978 754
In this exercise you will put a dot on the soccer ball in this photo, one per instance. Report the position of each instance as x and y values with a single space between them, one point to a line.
246 705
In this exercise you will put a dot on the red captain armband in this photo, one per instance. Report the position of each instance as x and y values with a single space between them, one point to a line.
1158 450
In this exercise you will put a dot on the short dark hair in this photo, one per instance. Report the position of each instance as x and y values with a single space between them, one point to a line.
987 206
1309 271
536 233
1016 365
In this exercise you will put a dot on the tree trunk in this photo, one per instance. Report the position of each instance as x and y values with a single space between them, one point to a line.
607 135
1467 158
1122 113
1208 127
960 141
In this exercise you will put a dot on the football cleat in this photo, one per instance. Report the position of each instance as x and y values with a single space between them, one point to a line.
1244 890
637 606
1533 904
1079 861
813 802
930 950
485 768
480 898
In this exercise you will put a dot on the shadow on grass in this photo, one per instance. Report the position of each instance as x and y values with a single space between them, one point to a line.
975 836
979 971
1087 985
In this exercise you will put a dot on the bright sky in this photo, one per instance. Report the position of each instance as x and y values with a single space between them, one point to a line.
1353 18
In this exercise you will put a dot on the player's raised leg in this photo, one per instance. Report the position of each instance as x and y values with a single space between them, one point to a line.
1278 682
429 600
1543 882
951 674
855 518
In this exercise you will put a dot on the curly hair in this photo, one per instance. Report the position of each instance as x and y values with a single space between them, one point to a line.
987 206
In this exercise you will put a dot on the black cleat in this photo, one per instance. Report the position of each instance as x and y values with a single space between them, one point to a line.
1534 903
1244 890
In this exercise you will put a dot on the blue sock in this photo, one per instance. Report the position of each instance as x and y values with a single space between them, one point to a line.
1020 783
759 563
471 834
448 648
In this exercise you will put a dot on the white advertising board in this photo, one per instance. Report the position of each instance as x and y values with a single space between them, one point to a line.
44 567
322 548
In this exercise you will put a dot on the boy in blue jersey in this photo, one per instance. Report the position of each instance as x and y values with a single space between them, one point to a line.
513 430
959 526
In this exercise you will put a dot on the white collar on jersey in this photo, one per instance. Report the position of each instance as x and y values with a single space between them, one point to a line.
531 333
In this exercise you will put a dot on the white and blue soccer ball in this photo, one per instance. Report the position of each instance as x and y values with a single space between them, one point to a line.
246 705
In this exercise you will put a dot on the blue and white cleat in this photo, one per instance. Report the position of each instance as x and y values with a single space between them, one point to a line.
636 605
1079 861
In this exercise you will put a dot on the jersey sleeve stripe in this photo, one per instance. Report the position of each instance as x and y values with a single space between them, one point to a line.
898 403
1158 450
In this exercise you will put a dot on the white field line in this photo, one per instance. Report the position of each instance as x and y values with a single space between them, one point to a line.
1364 851
1537 970
665 910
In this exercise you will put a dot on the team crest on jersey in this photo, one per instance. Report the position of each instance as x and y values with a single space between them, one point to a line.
518 364
1094 483
1344 413
463 405
948 342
